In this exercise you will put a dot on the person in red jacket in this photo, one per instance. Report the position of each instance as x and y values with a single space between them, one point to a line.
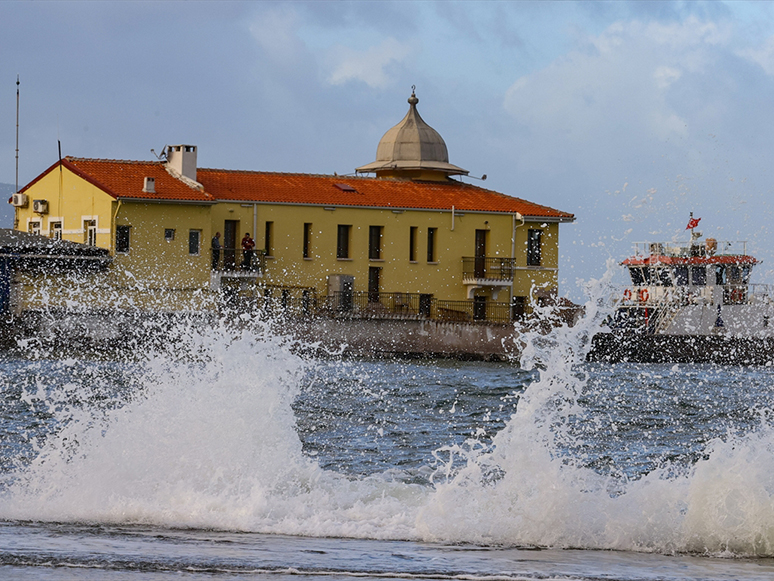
248 244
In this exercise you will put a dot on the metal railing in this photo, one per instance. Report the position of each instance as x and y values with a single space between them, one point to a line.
303 302
416 306
234 259
487 268
699 247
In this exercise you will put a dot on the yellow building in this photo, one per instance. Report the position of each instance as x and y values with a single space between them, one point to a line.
411 239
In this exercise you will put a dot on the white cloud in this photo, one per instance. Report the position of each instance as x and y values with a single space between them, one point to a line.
763 56
276 32
371 66
615 93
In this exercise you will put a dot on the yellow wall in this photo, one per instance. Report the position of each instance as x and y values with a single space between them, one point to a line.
159 273
287 266
155 273
71 201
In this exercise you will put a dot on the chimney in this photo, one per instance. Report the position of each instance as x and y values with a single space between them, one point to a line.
182 159
150 185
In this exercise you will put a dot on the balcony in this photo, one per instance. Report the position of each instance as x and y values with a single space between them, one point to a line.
234 263
487 271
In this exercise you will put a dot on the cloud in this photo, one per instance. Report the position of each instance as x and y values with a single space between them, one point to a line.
617 86
372 66
762 56
276 32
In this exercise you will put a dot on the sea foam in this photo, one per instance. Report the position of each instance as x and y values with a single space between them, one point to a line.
208 439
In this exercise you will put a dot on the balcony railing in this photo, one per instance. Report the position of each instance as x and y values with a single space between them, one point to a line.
236 259
303 302
487 268
416 306
376 305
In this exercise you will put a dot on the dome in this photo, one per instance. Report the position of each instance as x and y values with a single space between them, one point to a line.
412 147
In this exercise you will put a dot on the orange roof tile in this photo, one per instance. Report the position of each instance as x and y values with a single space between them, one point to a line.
126 179
245 186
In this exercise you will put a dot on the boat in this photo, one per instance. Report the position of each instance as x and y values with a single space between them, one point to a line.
690 301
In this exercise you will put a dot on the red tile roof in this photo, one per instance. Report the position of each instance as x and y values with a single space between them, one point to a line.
244 186
126 179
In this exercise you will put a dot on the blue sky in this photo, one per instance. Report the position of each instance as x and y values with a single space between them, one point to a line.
628 114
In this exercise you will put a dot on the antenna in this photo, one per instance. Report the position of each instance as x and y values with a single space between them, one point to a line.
17 134
162 155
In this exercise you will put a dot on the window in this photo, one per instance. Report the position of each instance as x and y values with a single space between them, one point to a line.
681 275
342 242
34 227
374 276
122 239
413 244
431 235
194 241
56 230
307 240
169 234
90 228
268 239
699 275
533 247
375 242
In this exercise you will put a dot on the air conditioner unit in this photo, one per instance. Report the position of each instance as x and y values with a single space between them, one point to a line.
40 206
19 200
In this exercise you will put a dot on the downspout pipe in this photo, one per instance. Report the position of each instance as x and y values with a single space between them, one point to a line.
516 216
113 227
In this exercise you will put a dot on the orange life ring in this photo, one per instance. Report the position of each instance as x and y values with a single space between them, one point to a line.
644 295
627 295
736 295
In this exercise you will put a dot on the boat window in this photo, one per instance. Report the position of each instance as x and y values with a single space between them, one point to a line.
720 274
664 277
699 275
638 279
681 275
746 272
734 274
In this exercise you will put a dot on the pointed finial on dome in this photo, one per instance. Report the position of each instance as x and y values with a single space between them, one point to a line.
412 149
413 99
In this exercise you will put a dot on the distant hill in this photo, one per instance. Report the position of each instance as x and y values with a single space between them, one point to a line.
6 209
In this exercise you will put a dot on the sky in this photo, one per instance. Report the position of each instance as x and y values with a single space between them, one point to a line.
630 115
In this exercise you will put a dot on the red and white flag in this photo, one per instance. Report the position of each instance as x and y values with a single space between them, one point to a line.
692 223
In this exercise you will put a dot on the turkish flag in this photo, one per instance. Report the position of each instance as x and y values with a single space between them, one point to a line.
692 223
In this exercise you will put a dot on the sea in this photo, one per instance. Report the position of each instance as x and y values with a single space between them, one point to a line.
231 451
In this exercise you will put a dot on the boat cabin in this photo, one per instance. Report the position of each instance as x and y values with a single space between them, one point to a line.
711 271
666 276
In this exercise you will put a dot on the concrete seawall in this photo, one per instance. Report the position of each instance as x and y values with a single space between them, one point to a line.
114 330
414 338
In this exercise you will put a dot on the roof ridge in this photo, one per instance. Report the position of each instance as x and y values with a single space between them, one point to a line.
342 176
107 160
283 173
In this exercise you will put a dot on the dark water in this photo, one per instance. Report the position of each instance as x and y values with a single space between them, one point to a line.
247 461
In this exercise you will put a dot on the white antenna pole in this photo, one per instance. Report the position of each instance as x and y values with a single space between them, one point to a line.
17 134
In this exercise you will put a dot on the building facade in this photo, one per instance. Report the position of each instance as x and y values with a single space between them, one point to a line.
399 235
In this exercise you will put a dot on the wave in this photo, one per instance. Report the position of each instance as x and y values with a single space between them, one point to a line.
207 438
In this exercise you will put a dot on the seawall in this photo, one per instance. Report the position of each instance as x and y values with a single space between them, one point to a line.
107 330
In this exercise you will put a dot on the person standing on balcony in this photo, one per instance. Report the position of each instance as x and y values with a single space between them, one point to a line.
248 244
215 250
